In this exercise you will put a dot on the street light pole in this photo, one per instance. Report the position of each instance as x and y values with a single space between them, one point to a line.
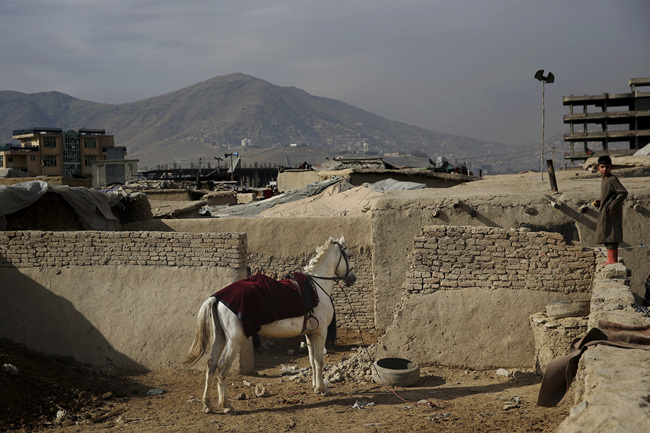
541 158
544 79
232 173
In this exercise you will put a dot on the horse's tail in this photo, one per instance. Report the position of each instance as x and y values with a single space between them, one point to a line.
205 328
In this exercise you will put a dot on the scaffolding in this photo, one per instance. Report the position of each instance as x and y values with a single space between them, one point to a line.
619 117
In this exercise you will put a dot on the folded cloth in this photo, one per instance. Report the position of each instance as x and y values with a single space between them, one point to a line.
560 372
639 335
260 300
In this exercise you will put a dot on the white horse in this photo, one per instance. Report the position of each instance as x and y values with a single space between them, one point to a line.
218 326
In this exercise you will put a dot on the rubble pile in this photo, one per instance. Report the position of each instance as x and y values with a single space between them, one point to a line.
148 184
357 367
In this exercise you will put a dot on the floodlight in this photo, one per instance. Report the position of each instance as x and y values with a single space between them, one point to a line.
550 78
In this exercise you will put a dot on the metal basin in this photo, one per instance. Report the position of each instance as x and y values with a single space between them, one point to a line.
395 372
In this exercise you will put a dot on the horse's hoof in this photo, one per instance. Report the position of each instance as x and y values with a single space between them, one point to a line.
229 410
208 410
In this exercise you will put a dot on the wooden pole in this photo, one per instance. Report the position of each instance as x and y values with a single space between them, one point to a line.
551 174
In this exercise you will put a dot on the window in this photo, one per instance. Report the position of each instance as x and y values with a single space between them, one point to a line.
2 162
89 159
32 158
90 143
49 141
48 161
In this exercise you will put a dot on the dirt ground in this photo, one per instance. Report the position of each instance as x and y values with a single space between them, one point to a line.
95 400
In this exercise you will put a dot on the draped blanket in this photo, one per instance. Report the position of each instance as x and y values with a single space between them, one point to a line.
260 300
561 371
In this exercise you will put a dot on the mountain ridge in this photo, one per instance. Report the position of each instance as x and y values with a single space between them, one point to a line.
204 119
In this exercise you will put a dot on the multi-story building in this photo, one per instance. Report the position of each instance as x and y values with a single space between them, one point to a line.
53 152
618 118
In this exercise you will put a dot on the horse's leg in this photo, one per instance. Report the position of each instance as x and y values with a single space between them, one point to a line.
213 362
233 347
234 337
312 361
316 344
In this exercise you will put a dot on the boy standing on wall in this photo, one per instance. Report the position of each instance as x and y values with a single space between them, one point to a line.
609 230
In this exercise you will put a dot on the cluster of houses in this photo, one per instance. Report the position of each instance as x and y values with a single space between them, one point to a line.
87 157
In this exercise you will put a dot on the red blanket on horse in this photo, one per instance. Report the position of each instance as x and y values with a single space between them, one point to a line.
260 300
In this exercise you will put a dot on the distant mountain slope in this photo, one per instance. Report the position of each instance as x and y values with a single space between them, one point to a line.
204 119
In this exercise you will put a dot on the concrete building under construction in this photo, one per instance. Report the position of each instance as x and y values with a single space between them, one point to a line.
614 118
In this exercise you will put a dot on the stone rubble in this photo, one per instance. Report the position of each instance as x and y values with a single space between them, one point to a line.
356 367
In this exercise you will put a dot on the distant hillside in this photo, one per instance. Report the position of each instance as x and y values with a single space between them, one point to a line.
206 119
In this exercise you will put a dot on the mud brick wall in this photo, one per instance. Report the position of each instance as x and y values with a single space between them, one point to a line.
451 257
279 246
470 291
25 249
124 299
612 384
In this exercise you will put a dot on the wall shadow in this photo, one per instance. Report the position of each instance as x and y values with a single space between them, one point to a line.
642 210
475 214
582 218
36 317
42 335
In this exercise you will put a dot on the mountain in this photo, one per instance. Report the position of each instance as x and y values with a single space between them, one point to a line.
208 118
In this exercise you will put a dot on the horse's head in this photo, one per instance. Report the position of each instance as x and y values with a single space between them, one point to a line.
344 269
332 258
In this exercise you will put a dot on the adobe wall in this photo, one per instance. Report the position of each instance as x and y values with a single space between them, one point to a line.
397 219
612 385
385 234
295 179
470 291
125 299
279 246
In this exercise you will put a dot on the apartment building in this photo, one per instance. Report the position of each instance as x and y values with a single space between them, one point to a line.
54 152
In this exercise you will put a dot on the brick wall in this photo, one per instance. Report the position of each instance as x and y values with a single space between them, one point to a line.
469 293
126 299
25 249
452 257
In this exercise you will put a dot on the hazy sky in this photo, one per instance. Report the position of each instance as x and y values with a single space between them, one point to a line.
462 67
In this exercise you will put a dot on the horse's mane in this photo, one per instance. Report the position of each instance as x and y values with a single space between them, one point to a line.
319 254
